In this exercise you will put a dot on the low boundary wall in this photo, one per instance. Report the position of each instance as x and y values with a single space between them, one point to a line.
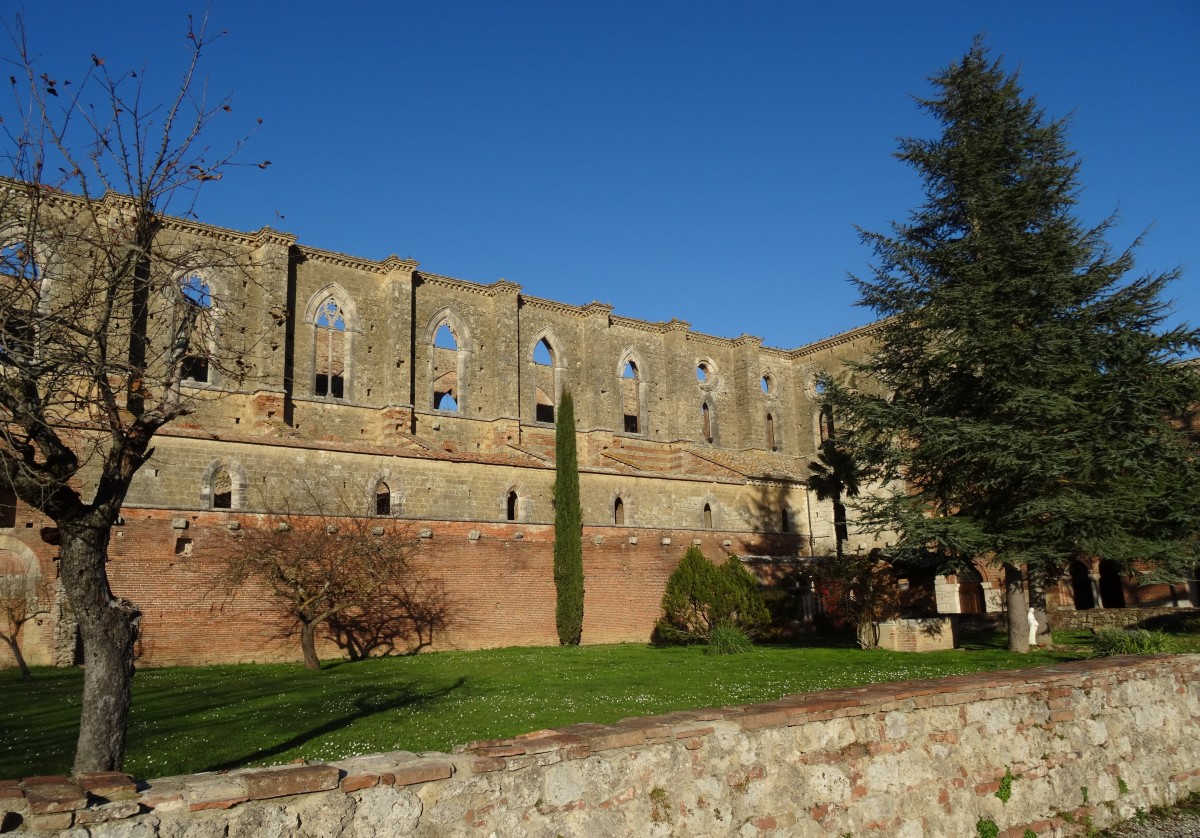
1052 750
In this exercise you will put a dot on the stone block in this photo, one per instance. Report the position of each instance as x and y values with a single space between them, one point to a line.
289 780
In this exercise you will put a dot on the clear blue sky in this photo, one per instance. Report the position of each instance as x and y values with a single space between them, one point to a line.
700 160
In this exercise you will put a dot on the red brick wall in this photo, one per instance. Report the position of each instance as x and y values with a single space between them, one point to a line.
499 587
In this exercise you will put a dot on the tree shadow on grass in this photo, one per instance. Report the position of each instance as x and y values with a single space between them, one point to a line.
364 707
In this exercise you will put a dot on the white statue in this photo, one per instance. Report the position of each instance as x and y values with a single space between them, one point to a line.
1033 627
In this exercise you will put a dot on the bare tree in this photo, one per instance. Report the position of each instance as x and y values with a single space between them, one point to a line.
22 599
324 560
103 312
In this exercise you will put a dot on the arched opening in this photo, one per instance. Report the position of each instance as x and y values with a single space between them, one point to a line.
970 591
445 392
444 338
706 423
197 297
708 517
329 368
383 499
767 383
511 505
1112 591
785 520
618 513
631 398
222 489
771 446
1081 586
542 354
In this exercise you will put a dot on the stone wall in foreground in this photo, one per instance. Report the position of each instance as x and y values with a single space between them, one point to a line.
1083 743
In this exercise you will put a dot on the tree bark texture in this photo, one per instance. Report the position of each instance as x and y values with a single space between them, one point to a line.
1018 609
108 626
308 643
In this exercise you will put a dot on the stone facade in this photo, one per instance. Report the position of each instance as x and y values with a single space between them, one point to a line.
431 399
1053 752
438 394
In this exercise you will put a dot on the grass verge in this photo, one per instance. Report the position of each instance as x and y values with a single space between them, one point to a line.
188 719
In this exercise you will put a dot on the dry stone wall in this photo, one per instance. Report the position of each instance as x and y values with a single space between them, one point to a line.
1054 751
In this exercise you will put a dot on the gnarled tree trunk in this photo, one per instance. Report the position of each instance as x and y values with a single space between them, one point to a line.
109 628
308 643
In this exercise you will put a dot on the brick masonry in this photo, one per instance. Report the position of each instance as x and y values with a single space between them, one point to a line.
1055 751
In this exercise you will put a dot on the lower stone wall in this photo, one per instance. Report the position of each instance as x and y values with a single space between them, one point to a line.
1123 618
1055 751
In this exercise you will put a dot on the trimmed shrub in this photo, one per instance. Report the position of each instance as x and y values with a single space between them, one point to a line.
1114 641
727 639
700 595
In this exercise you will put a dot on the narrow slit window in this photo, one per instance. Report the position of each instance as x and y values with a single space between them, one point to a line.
512 504
383 499
618 513
708 517
706 422
771 446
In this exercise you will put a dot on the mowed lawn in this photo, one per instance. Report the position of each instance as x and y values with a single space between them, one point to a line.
188 719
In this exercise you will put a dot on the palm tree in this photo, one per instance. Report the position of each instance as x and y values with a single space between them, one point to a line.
835 475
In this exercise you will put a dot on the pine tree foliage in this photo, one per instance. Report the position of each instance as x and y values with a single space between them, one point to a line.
568 524
1028 377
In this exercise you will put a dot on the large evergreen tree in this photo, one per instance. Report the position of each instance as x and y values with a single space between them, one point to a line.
568 528
1027 378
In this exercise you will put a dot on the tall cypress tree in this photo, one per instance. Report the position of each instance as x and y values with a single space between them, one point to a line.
568 526
1027 378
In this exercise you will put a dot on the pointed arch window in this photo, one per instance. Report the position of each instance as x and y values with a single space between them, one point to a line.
329 368
771 444
708 516
706 422
194 367
618 513
383 499
447 361
546 373
631 397
512 505
222 489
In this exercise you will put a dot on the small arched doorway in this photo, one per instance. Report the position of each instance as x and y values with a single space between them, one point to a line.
970 591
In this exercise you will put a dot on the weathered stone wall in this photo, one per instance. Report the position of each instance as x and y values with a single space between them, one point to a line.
1055 751
1123 618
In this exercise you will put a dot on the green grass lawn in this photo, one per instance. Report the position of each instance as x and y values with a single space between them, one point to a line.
188 719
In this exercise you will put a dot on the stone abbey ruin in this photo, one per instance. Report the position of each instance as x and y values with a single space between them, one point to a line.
431 402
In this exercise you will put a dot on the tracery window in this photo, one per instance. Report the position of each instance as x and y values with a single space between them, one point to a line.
329 366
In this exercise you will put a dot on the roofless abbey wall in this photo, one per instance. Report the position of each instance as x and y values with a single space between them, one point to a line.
433 400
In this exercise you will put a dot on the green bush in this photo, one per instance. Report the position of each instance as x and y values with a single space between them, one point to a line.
727 639
700 595
1114 641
